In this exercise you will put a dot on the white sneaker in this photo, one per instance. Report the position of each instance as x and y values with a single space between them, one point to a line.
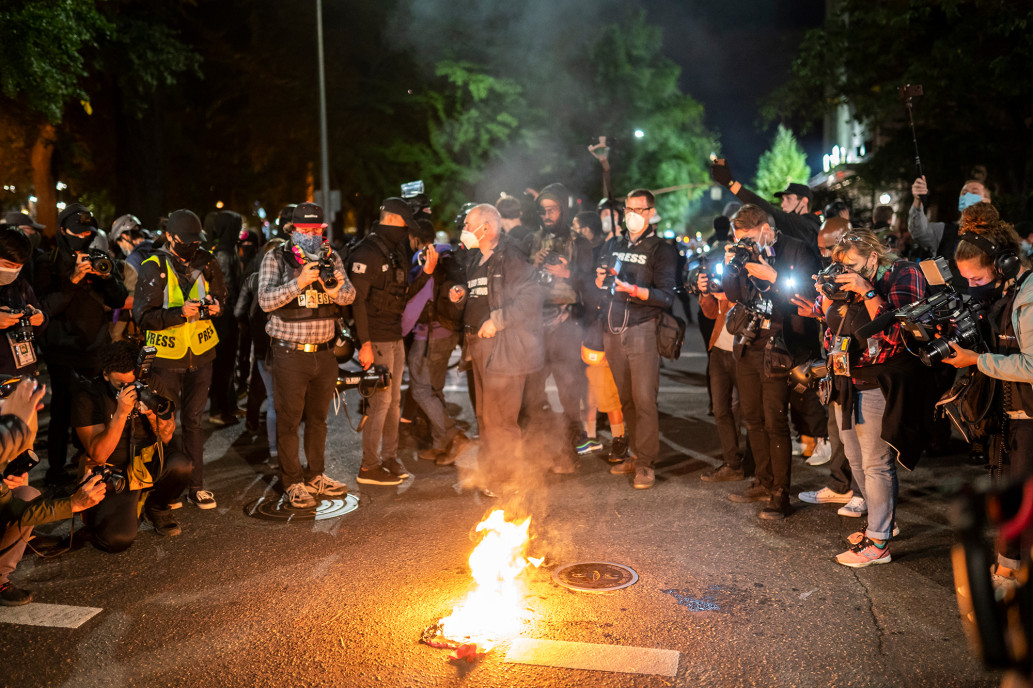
856 507
797 447
822 453
325 485
826 496
299 497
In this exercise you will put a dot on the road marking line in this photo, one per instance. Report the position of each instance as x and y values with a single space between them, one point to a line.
56 615
615 658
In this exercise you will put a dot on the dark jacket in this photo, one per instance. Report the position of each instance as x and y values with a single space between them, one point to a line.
79 312
16 438
149 298
227 226
247 308
795 262
439 307
515 299
381 291
16 296
804 227
650 263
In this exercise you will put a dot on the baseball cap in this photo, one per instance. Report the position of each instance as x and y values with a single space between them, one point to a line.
401 207
185 225
21 220
307 215
798 190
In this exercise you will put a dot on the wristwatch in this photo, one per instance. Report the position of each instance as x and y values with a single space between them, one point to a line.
869 295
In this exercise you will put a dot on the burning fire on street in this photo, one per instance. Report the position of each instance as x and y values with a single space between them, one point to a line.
493 610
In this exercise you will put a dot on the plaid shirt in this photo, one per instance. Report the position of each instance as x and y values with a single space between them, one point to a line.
278 285
899 286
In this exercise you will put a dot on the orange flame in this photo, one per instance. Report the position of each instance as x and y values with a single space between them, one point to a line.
493 610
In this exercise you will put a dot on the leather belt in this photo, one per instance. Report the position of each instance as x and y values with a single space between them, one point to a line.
298 346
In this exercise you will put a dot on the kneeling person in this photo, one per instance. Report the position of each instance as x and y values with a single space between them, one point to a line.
124 434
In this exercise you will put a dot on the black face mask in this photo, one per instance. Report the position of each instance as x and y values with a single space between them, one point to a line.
80 243
825 261
986 294
185 251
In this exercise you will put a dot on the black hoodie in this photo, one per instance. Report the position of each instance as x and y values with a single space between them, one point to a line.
378 267
573 247
226 228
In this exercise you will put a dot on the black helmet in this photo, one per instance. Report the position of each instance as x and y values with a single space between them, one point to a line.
461 216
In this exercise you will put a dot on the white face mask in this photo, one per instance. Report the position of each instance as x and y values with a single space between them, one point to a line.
8 275
469 239
636 223
607 224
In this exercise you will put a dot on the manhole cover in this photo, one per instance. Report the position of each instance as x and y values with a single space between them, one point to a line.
595 576
268 509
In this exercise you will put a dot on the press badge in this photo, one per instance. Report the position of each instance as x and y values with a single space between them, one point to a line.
311 298
24 352
839 356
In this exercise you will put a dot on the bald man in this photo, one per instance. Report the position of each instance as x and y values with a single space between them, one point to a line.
831 231
502 320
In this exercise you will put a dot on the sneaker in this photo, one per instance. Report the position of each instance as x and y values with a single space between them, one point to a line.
754 493
324 485
623 468
11 596
865 553
618 449
223 421
202 499
163 522
429 454
822 453
177 504
826 496
299 497
855 538
587 445
1004 586
777 507
804 446
644 478
855 508
378 476
396 468
722 474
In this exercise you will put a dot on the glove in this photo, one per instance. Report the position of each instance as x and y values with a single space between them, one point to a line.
721 174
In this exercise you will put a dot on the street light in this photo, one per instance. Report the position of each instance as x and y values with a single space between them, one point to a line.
639 133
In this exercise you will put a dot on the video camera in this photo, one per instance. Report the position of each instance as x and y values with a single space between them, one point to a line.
366 381
832 289
98 260
943 317
713 268
163 408
327 270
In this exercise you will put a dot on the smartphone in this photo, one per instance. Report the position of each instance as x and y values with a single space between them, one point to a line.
23 463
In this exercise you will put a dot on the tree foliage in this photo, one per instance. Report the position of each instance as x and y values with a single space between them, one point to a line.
781 164
971 56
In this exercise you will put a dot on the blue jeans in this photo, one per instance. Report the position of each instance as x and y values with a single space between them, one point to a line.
270 409
872 460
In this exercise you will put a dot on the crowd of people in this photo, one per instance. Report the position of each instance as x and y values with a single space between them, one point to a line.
137 329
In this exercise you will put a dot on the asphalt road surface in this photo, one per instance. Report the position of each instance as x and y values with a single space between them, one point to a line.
239 601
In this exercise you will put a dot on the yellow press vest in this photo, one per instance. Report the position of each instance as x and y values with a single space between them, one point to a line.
173 342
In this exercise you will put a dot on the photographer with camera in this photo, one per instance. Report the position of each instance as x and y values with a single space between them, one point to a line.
123 424
793 219
941 238
178 291
21 318
303 299
77 287
21 507
762 271
879 388
633 288
378 268
989 255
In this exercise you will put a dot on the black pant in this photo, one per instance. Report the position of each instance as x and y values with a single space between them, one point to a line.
765 404
563 362
64 383
114 522
722 387
223 389
840 478
256 394
188 387
500 458
1019 442
303 386
808 415
635 364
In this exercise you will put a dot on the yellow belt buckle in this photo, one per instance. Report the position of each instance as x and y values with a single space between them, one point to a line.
308 348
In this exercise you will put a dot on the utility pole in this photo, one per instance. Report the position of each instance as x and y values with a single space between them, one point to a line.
323 140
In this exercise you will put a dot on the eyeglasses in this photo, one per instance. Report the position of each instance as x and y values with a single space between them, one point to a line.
549 210
637 211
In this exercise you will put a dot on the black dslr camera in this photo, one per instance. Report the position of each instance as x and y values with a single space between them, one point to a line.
713 268
22 331
112 477
204 308
326 268
743 251
612 270
98 260
163 408
828 285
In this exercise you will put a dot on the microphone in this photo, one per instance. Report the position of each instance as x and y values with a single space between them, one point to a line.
875 326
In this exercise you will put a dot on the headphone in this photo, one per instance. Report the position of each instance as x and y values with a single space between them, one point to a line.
1006 262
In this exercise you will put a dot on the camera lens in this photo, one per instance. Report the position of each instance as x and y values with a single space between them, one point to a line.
937 350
